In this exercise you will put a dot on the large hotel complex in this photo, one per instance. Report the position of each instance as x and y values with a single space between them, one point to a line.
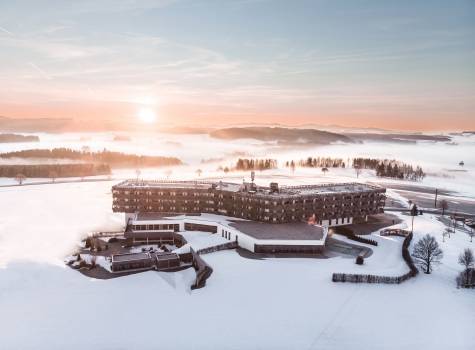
259 218
330 205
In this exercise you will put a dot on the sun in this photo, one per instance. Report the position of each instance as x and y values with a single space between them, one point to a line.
147 115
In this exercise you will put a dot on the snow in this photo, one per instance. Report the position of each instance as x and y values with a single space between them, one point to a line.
285 303
385 260
199 240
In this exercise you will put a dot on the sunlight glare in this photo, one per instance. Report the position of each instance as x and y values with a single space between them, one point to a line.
147 115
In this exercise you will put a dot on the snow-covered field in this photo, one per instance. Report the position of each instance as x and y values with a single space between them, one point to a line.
287 303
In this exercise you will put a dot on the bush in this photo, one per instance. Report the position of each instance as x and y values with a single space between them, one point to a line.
466 279
113 240
359 260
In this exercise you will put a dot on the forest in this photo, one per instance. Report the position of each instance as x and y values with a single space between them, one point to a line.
255 164
113 159
54 170
10 138
383 167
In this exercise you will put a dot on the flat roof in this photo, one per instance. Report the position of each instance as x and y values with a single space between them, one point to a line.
328 188
130 257
290 231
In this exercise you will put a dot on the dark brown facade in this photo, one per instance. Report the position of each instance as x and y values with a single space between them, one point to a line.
248 201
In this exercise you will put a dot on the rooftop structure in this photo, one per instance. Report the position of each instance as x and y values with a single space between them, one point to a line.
274 189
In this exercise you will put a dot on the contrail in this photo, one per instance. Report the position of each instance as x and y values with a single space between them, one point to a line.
6 31
39 70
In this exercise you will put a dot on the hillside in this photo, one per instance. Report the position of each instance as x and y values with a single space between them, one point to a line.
281 135
11 138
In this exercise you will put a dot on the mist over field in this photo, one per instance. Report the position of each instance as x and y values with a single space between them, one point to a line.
439 159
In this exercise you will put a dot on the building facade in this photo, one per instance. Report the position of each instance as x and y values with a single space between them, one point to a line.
329 205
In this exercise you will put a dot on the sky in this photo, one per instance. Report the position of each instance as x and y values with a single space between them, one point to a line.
401 65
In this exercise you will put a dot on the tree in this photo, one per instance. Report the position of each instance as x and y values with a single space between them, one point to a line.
20 178
199 172
471 233
446 233
226 170
168 173
138 172
93 261
427 253
292 166
466 259
324 170
444 205
53 175
358 171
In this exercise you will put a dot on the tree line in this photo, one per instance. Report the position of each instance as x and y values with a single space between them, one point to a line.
390 168
383 167
319 162
255 164
113 159
53 171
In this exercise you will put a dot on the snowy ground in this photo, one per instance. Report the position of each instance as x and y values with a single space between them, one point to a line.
200 240
247 304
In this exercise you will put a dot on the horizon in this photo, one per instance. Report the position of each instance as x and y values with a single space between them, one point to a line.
405 66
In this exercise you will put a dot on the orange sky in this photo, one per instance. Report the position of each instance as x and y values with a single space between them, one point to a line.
199 115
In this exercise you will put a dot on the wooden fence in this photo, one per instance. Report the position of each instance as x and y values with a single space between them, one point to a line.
203 270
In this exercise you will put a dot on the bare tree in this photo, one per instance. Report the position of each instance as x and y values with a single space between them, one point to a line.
324 170
444 205
199 172
292 166
53 175
168 173
446 233
93 261
137 173
466 259
20 178
427 253
471 233
358 171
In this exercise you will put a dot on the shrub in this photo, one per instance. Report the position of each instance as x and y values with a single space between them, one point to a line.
359 260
